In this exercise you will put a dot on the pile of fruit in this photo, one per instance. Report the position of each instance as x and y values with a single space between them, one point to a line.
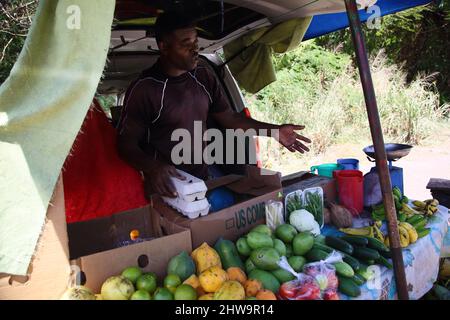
412 221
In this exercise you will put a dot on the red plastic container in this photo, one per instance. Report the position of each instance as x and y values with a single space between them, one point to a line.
350 189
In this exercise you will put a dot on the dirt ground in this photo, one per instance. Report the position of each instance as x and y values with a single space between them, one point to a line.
429 160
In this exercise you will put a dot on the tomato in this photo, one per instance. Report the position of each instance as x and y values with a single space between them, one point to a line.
288 290
330 295
332 281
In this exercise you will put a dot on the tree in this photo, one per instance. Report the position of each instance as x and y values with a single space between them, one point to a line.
417 38
15 20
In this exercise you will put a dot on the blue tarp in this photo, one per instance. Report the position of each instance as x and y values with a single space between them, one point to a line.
326 23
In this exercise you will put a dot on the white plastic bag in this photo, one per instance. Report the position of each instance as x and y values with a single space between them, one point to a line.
274 214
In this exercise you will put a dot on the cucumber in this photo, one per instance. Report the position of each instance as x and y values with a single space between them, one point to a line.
339 244
316 255
323 247
376 245
354 263
343 269
359 279
364 272
348 287
355 240
383 261
386 254
319 239
228 253
365 254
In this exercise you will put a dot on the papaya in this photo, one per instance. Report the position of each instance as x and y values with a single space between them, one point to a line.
212 279
289 250
267 279
236 274
258 240
205 257
279 246
194 282
228 254
252 286
230 290
243 248
265 258
297 263
265 295
249 266
283 275
182 265
262 228
207 296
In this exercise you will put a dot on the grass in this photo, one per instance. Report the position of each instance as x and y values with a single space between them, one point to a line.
321 90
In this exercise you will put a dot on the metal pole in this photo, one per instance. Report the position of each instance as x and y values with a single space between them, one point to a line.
380 152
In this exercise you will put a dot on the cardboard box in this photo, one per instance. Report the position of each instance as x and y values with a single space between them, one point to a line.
49 271
232 222
52 270
304 179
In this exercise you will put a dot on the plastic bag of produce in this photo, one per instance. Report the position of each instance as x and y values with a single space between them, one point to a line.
274 214
317 282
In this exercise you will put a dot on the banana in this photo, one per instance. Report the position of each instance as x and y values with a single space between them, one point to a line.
419 204
404 236
408 210
413 236
366 231
377 233
433 209
435 202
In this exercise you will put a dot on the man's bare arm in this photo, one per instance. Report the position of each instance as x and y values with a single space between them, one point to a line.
285 134
156 171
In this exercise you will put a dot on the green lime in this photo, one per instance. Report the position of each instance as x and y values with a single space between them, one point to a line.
163 294
132 273
141 295
171 282
185 292
146 282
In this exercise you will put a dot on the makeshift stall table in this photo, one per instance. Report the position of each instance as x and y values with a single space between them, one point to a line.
421 262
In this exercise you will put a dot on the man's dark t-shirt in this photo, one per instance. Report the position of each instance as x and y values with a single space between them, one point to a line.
160 104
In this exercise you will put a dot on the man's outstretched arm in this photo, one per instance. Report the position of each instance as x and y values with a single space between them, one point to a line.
284 134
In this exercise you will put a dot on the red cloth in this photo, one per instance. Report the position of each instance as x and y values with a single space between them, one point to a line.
97 183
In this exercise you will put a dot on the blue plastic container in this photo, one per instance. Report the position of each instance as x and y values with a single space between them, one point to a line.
349 163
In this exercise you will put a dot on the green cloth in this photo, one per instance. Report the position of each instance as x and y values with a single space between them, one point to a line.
253 68
42 106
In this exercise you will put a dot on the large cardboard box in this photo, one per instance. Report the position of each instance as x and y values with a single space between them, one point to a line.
303 180
89 252
102 247
230 223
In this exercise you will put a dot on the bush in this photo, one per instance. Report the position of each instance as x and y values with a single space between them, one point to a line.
326 96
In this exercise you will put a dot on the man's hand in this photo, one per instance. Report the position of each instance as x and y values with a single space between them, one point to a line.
292 140
158 179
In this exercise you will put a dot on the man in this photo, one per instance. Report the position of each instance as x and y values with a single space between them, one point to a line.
173 94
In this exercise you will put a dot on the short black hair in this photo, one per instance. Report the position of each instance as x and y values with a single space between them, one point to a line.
169 21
